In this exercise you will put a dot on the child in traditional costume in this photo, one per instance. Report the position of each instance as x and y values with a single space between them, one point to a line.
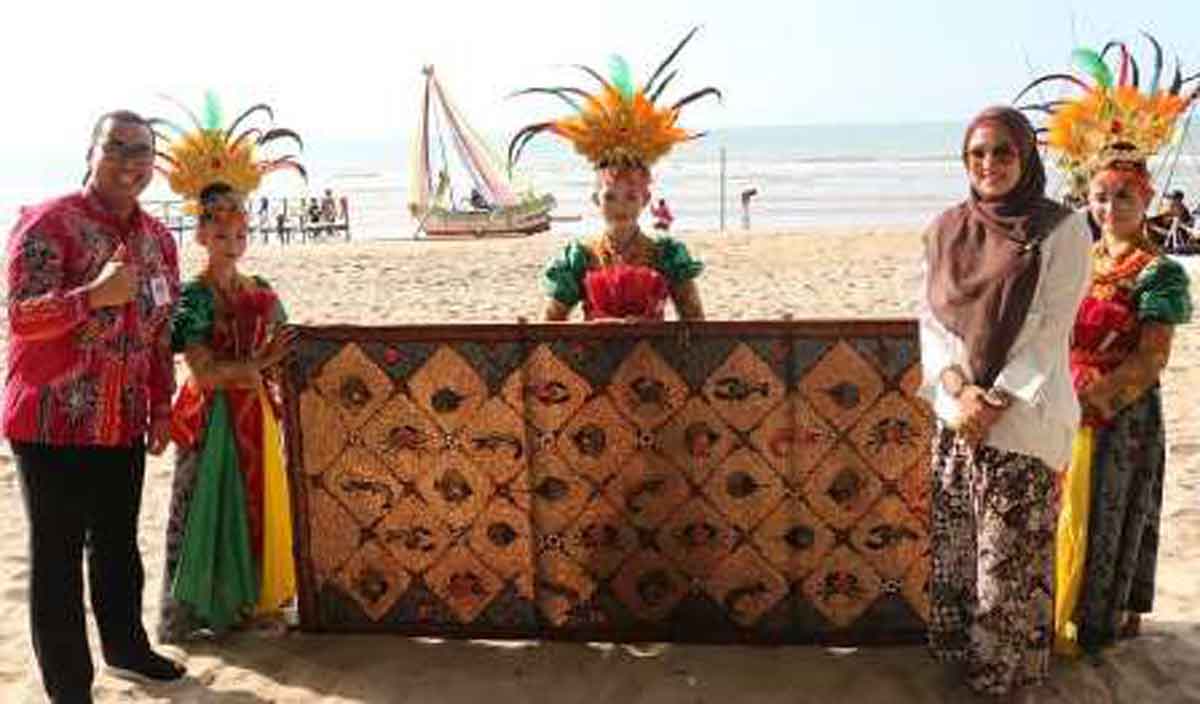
623 274
1108 528
229 547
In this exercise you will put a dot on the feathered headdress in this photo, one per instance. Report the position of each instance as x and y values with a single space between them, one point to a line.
1110 120
621 126
212 153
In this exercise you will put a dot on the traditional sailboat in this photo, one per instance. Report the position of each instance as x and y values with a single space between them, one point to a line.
493 207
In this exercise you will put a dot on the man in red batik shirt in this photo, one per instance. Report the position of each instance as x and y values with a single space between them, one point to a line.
92 280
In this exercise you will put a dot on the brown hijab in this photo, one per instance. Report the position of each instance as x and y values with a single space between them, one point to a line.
984 255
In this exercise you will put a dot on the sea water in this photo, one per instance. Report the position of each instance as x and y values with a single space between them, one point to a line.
805 176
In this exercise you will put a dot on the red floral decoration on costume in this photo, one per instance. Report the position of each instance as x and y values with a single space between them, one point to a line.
626 291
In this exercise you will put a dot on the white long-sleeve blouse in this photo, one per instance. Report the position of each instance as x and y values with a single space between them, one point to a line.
1044 415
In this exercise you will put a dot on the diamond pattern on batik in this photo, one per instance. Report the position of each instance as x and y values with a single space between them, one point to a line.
648 489
333 534
843 587
744 389
890 538
646 389
354 385
697 538
360 479
502 538
463 583
613 488
892 436
600 539
454 490
403 434
547 389
746 586
842 385
495 441
793 438
697 440
843 488
650 586
744 489
598 440
891 355
562 586
447 389
559 494
374 579
413 535
794 539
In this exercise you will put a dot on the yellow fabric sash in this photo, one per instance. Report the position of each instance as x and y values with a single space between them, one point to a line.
1071 542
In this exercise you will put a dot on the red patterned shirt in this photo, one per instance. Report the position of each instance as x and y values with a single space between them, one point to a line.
78 376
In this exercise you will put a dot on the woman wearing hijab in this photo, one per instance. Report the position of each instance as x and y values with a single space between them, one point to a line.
1005 271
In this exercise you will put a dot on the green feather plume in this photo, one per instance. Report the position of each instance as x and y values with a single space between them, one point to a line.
1090 63
618 70
212 112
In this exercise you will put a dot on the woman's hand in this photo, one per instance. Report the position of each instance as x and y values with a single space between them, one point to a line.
1096 403
275 350
977 413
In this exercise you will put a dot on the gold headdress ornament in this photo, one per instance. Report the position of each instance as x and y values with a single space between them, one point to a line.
620 126
1110 121
212 153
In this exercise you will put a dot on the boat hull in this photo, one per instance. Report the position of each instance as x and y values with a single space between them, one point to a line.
518 221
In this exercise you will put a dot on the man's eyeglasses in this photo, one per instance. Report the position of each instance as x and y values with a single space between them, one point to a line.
136 152
1003 153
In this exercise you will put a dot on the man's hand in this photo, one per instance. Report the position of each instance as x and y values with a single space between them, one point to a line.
160 437
117 283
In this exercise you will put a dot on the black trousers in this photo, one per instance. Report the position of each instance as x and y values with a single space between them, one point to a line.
77 497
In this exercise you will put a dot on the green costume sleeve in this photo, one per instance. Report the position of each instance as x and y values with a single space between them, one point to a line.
675 262
280 316
193 319
1162 293
563 278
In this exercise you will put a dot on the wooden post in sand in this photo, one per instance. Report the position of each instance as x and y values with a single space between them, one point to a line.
722 189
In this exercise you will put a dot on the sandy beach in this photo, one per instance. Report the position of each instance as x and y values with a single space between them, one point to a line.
819 273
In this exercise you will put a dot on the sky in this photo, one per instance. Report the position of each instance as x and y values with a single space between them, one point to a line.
350 70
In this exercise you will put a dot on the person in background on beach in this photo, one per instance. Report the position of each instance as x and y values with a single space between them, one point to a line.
662 216
1173 227
1005 271
92 279
328 207
747 194
623 274
228 541
264 219
477 201
1112 499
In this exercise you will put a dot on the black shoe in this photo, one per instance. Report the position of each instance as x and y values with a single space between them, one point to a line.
148 667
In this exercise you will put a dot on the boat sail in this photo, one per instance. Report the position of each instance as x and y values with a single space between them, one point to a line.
494 208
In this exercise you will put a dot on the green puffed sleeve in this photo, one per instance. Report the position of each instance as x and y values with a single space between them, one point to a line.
563 278
193 319
675 262
1162 293
279 317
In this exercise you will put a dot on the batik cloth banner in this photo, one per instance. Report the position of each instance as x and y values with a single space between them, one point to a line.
711 482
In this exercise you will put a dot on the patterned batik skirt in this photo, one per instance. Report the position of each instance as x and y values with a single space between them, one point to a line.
1127 471
992 581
